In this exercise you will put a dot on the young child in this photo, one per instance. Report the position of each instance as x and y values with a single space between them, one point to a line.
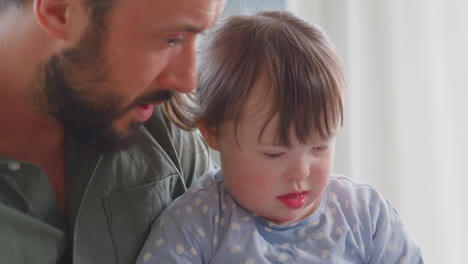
270 100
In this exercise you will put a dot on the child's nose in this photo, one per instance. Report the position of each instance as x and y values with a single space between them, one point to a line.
299 170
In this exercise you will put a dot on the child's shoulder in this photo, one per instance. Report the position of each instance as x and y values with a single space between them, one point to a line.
351 188
203 199
358 199
373 221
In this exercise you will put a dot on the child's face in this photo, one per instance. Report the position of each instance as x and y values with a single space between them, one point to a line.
281 184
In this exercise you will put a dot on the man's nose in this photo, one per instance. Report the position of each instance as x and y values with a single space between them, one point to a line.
180 73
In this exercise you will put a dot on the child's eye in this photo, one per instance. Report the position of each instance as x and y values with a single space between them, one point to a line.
320 148
273 155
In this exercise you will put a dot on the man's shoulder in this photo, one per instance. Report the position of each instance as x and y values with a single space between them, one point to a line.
171 137
187 149
161 128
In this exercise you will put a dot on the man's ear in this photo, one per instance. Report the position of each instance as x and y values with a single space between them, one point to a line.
210 134
52 16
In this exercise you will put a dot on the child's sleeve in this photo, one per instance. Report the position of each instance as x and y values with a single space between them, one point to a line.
391 240
169 242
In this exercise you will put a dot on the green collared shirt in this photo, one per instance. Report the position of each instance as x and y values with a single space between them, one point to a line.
112 198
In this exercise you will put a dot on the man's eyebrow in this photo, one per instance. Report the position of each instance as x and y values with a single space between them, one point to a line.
186 28
192 29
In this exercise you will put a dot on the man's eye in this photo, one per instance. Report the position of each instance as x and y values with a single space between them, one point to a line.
175 40
273 155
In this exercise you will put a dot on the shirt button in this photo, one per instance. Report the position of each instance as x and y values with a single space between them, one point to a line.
14 166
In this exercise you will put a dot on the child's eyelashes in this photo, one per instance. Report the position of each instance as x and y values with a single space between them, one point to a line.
312 150
320 148
269 155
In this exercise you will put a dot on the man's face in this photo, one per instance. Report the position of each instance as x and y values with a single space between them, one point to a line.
107 84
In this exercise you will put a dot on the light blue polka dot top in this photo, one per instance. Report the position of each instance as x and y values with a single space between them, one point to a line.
353 224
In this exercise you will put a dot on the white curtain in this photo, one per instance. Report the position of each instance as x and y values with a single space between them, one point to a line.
406 126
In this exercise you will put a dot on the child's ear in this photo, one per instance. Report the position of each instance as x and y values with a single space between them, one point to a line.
52 16
210 134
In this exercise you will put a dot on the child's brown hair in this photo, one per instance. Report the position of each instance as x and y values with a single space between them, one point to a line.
297 60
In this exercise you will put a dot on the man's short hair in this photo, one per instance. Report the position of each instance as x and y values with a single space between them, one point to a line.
8 3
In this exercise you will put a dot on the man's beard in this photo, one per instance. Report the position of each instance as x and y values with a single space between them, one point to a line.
75 89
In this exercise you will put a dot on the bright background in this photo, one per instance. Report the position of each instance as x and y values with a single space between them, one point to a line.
405 127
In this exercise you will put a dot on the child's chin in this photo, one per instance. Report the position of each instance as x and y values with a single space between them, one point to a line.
284 221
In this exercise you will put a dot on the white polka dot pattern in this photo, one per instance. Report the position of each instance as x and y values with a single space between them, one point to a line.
159 242
146 257
282 258
235 249
213 223
180 249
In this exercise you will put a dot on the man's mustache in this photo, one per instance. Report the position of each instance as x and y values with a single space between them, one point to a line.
155 97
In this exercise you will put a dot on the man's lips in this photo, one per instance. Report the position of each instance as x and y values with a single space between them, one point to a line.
294 200
144 112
